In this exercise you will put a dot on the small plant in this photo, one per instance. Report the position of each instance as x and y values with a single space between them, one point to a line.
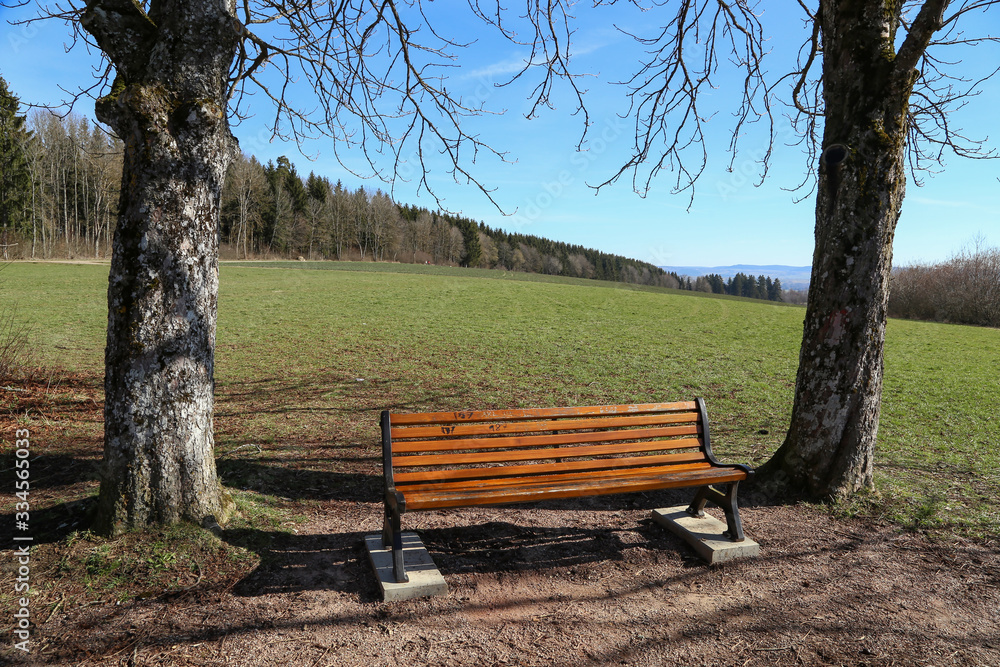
99 563
927 513
15 353
160 559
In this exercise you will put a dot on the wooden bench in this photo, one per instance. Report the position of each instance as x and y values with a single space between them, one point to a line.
435 460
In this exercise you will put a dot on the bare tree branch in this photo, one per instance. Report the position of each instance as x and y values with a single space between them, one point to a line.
380 85
684 59
684 56
378 69
929 20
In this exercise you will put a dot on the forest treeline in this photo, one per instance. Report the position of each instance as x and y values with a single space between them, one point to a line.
59 198
59 183
761 287
963 290
272 211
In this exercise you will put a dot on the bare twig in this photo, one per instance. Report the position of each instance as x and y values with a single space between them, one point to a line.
55 607
201 575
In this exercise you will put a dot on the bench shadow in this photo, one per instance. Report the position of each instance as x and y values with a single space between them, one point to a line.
339 562
500 546
294 563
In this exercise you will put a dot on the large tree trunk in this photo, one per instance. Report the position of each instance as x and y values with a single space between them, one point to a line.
828 452
168 105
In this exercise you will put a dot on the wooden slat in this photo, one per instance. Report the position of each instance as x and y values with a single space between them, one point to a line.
503 428
530 492
535 413
539 454
500 486
511 442
495 476
681 461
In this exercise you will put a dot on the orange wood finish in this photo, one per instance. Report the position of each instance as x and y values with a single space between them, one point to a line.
453 459
529 490
535 413
502 428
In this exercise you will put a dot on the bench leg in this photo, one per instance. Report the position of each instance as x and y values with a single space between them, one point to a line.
727 501
386 530
392 534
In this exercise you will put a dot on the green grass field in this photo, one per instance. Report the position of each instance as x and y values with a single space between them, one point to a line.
309 353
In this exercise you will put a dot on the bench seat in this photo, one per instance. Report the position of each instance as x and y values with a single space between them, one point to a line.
460 459
553 487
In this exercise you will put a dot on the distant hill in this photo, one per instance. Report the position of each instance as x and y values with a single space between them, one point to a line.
791 277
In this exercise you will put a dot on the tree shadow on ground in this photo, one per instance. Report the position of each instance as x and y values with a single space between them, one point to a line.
334 392
769 622
51 471
297 484
51 524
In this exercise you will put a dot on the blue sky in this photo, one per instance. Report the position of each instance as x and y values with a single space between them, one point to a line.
544 186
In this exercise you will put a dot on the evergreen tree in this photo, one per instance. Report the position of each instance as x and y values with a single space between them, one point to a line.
470 237
718 284
15 179
774 293
293 184
735 285
316 188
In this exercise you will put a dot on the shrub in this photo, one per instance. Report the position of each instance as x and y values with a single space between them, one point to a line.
963 290
14 348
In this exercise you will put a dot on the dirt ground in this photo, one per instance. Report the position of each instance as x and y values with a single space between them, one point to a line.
587 582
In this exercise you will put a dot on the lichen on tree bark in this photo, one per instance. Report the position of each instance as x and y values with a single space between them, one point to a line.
168 105
828 452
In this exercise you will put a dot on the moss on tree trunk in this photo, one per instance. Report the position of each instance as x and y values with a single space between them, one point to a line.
828 452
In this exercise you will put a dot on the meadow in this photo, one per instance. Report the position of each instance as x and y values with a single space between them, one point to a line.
309 353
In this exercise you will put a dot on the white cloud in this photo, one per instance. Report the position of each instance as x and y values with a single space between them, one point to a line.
496 70
513 65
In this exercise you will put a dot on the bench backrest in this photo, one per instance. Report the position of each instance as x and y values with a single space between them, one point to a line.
429 448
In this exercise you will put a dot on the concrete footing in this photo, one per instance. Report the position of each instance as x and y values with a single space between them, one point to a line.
425 579
705 535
